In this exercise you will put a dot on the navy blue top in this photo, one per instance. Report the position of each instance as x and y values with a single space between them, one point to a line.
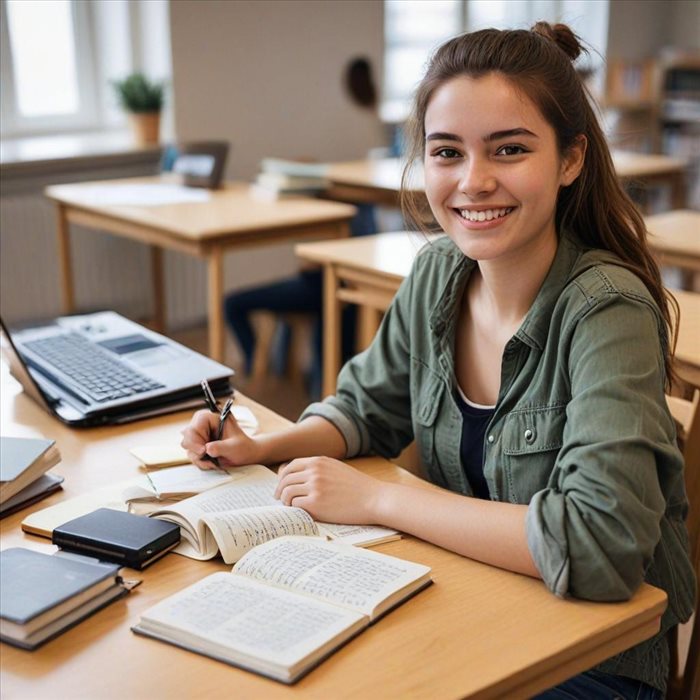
475 419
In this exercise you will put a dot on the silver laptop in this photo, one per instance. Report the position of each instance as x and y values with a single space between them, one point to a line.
101 369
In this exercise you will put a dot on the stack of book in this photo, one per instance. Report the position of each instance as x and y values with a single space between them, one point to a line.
44 595
23 466
279 177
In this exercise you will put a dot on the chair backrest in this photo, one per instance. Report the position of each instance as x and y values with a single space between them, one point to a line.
687 414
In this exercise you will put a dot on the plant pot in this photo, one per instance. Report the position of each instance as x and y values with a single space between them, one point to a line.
145 127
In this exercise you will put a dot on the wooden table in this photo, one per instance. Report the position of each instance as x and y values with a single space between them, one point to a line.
367 271
478 632
687 357
230 218
379 181
675 238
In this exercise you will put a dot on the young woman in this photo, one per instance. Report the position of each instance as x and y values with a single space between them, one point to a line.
527 353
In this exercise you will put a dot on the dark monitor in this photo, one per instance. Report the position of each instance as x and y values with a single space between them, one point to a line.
201 164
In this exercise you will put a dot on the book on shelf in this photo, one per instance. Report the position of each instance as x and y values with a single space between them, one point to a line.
233 518
43 595
286 606
40 488
22 461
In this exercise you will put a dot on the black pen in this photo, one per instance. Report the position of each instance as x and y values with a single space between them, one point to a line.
209 396
213 406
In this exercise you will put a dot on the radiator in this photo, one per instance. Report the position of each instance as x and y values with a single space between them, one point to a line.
109 272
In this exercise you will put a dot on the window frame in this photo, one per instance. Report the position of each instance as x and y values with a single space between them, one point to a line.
87 115
98 110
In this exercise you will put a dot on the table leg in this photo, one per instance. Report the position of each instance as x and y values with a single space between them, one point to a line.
368 320
678 191
331 330
216 292
65 262
158 281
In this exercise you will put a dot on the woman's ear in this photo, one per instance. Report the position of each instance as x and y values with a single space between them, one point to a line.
573 161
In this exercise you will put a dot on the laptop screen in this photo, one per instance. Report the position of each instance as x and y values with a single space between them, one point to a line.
19 370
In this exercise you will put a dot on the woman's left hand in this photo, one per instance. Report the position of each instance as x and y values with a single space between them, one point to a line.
329 490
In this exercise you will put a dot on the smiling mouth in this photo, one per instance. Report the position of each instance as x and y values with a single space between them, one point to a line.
484 214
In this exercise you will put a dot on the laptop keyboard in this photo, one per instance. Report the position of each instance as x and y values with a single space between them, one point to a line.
98 375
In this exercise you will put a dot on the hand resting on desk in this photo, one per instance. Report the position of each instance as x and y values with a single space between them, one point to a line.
325 487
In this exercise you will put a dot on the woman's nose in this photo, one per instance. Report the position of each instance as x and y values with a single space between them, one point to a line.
476 178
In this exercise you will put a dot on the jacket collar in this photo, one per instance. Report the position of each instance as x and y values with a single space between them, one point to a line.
534 329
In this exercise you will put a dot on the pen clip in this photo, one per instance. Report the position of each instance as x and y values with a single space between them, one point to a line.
225 411
209 396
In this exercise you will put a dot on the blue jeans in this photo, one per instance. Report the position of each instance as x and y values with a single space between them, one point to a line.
594 685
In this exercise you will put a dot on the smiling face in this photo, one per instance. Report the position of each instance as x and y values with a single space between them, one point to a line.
493 169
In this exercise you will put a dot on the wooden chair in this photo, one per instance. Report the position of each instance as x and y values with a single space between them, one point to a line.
686 686
265 323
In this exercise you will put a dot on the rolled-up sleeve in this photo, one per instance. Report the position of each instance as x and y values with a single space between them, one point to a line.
372 404
592 533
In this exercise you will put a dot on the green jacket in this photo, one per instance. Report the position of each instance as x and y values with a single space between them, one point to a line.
581 431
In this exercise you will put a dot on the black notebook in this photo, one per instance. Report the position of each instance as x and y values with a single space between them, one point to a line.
42 595
113 535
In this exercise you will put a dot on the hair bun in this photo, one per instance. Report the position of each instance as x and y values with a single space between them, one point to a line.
562 36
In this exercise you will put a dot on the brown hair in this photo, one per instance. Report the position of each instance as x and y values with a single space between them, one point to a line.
594 207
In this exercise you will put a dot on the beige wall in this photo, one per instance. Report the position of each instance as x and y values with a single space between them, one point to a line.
266 75
641 28
684 24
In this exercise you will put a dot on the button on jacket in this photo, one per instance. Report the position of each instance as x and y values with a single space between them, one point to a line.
581 431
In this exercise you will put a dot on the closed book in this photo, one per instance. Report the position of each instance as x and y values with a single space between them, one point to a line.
22 461
42 595
45 485
113 535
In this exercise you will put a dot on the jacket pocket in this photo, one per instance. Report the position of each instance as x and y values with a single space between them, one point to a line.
531 441
427 407
534 430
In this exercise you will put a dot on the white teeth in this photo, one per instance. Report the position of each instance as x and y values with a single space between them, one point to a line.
485 214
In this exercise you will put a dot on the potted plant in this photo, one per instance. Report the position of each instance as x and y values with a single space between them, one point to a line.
143 100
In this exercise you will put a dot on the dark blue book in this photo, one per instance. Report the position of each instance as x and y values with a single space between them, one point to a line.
124 538
42 595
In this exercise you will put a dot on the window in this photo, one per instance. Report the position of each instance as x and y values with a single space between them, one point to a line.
59 56
414 28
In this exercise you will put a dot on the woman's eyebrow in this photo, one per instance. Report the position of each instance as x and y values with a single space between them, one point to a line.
442 136
509 133
495 136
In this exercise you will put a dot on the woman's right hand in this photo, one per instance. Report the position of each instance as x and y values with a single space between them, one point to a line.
234 450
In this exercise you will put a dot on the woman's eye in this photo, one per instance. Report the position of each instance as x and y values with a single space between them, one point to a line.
510 150
447 153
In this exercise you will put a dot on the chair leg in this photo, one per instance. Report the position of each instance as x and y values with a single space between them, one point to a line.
264 323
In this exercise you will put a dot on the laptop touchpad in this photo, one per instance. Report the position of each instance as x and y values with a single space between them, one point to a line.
142 350
129 343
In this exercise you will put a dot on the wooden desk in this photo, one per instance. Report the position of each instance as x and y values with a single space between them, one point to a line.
230 219
478 632
367 271
379 181
675 237
687 358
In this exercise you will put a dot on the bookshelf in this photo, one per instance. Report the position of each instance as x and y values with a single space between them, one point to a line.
653 105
